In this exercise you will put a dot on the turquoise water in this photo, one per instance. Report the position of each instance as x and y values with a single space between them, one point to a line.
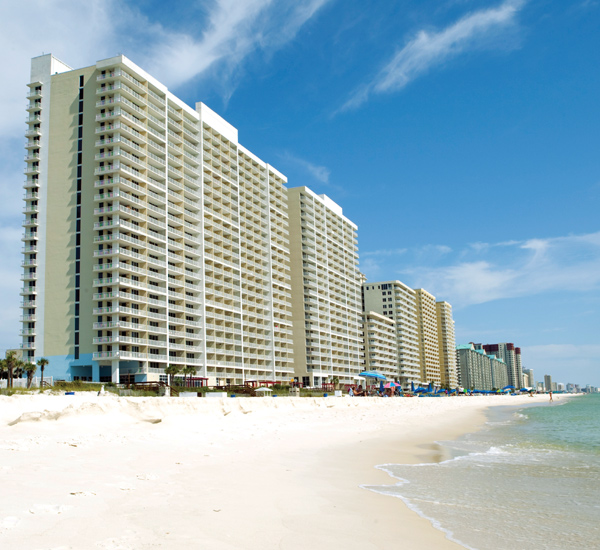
529 479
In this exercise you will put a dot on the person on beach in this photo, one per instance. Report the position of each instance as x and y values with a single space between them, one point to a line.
350 392
550 396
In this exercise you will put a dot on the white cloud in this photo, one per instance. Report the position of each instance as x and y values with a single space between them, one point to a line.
385 252
235 30
508 270
430 49
319 173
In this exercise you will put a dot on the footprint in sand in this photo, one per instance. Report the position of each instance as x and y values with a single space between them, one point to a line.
8 523
147 477
114 544
83 494
49 509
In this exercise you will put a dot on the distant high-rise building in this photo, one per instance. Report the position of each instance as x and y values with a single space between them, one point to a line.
547 382
429 353
397 301
478 370
381 352
447 344
326 295
508 353
528 378
152 237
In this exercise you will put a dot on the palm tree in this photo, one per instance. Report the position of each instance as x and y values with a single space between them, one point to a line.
3 369
19 369
172 370
11 363
42 364
188 370
30 369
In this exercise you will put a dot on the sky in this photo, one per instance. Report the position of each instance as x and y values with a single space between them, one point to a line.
461 136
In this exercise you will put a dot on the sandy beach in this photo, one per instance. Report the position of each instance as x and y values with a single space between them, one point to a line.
87 471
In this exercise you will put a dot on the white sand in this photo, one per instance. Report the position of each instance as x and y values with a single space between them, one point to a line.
82 471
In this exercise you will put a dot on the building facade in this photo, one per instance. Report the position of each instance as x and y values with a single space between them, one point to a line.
381 352
326 283
478 370
152 237
447 345
429 349
397 301
511 357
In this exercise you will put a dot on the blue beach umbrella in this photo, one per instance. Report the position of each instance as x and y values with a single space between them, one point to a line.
372 374
508 388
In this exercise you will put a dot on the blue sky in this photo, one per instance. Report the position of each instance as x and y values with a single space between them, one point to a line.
461 136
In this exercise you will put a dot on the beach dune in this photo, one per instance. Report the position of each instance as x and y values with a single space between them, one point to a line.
89 471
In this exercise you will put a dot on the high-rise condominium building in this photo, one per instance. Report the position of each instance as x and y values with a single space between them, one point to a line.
511 356
381 353
397 301
326 282
479 371
447 344
429 353
547 382
152 237
528 378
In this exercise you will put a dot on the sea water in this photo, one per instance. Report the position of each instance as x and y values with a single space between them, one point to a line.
529 480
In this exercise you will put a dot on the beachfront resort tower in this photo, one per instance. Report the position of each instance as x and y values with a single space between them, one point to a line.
509 354
447 344
397 301
326 283
152 237
429 353
380 344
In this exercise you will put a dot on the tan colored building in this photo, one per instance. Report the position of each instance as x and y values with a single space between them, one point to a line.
429 353
152 237
381 353
447 345
326 283
397 301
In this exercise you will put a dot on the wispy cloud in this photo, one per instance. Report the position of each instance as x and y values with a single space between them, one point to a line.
385 252
235 30
318 173
519 268
429 49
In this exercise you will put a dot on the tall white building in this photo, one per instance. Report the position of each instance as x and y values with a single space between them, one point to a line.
447 344
326 282
152 237
397 301
381 352
429 352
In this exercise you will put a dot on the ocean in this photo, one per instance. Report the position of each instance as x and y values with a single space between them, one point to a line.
529 480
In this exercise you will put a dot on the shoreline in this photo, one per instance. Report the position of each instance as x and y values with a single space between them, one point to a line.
112 472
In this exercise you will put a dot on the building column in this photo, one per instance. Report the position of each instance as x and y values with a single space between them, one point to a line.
95 371
115 371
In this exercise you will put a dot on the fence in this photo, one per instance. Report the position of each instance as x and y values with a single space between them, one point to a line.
22 382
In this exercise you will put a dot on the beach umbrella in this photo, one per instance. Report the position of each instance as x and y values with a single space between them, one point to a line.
412 387
508 388
372 374
420 390
263 390
391 385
